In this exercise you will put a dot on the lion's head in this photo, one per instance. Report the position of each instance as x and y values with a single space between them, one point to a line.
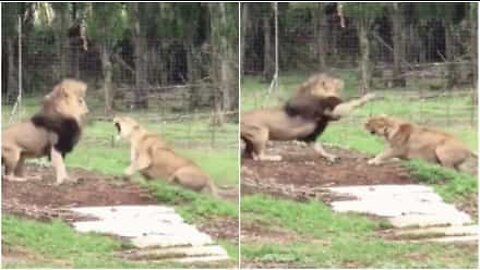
67 99
380 125
125 126
321 85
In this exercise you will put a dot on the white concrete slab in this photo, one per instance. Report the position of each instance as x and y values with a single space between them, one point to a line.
473 239
157 231
403 205
439 231
210 258
178 252
422 220
162 241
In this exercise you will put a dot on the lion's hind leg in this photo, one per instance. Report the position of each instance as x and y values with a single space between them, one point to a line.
256 141
12 159
451 156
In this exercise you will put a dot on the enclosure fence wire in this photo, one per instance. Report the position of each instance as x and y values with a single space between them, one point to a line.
417 57
184 73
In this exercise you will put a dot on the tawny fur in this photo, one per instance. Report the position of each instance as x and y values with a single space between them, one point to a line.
407 141
52 132
304 117
151 156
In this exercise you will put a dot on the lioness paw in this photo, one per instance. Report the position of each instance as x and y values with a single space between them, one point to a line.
332 158
373 161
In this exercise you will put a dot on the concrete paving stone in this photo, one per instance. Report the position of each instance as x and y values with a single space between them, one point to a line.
161 241
414 220
472 239
440 231
177 252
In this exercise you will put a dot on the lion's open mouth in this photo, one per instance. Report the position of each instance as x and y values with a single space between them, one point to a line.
372 132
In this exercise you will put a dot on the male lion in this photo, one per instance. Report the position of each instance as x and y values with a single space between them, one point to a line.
153 158
52 132
304 117
409 141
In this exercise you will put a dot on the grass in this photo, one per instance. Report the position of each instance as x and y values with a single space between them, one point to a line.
349 133
326 239
56 245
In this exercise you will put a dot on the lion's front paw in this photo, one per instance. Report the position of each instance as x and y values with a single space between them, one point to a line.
373 161
332 158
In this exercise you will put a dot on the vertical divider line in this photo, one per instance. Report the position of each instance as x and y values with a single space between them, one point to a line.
239 148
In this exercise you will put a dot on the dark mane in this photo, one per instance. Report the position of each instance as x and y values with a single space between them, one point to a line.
311 107
67 130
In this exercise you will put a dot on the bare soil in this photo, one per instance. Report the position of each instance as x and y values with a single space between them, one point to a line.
302 174
43 200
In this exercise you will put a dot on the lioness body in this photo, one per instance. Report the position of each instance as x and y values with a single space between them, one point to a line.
409 141
151 156
52 132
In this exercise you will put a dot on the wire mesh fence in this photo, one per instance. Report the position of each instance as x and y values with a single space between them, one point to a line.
420 57
169 63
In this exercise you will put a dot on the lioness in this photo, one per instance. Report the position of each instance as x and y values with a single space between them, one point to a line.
303 118
409 141
153 158
52 132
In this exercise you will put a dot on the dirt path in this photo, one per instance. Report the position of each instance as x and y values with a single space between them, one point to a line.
302 174
43 200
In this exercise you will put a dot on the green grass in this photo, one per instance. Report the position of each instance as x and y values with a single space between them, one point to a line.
57 245
326 239
349 132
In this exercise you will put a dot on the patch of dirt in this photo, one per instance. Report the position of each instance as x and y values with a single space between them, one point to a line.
252 233
42 199
221 228
15 256
302 166
302 174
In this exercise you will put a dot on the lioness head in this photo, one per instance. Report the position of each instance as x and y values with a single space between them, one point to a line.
125 126
67 99
380 125
321 85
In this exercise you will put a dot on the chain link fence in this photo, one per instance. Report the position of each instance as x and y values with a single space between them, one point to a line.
168 63
420 57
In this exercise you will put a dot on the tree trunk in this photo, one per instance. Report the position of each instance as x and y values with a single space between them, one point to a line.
222 59
61 36
473 43
140 46
76 42
226 70
268 61
320 24
398 22
452 75
12 81
107 78
244 21
362 28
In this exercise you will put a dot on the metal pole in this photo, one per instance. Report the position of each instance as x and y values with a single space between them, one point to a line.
275 6
274 83
20 87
